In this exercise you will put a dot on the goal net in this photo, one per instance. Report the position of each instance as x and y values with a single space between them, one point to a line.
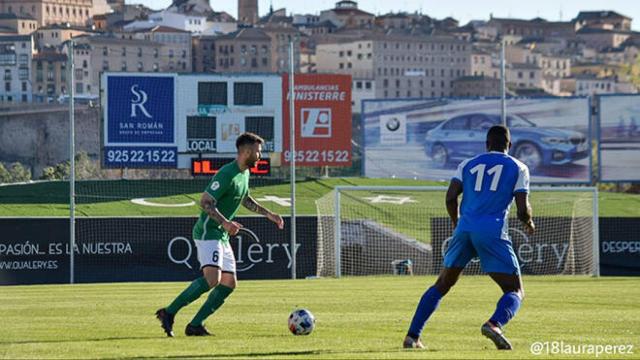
387 230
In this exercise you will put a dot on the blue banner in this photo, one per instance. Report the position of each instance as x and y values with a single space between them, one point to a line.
140 110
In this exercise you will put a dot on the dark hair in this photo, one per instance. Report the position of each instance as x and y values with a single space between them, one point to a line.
498 138
248 138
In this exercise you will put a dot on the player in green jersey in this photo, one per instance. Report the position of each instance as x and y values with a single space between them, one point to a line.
220 202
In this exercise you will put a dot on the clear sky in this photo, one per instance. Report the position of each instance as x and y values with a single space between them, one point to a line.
463 10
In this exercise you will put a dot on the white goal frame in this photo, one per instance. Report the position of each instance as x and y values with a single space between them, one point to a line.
338 231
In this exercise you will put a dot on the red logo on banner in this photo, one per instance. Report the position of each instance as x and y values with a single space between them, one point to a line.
323 120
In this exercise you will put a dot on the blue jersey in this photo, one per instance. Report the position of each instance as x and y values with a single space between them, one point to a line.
489 183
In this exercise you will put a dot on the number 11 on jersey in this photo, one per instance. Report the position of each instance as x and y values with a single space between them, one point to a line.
495 171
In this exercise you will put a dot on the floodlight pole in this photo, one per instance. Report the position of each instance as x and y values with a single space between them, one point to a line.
292 158
72 170
503 85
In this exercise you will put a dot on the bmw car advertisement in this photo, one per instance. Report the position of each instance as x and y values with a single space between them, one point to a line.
428 138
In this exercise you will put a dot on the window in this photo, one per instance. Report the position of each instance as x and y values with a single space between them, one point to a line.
247 93
140 66
170 53
124 66
212 93
457 123
23 73
358 84
105 51
7 86
105 65
532 75
264 127
156 67
201 128
79 88
367 85
7 74
139 52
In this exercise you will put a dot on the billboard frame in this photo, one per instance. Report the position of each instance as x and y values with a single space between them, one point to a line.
598 137
590 130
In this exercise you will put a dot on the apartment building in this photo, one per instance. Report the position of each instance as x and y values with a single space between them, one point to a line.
347 14
389 66
111 53
22 24
16 53
245 50
49 77
57 34
177 45
476 86
47 12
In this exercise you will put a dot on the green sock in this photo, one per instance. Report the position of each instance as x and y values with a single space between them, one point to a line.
214 301
198 287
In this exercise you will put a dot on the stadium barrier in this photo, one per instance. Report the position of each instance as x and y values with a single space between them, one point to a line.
36 250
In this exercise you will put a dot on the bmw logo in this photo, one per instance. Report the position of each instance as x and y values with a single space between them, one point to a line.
393 124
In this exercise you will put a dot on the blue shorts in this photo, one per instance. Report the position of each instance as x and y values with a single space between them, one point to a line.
496 254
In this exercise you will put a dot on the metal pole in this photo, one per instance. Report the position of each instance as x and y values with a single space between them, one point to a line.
292 162
72 173
503 85
596 234
338 233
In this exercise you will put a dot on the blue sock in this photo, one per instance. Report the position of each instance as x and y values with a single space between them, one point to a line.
507 308
427 305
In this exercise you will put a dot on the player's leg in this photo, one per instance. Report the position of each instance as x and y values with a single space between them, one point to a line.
224 287
199 286
499 260
459 253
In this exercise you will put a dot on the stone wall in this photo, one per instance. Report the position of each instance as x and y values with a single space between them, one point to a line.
38 135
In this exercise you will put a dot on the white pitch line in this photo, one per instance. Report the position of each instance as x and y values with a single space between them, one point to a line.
142 201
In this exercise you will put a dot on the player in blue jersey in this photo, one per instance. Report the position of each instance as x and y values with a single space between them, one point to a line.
488 183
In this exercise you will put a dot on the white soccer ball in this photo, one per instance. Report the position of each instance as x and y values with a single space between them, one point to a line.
301 322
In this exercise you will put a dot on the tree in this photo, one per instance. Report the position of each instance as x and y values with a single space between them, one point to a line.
19 173
85 169
5 176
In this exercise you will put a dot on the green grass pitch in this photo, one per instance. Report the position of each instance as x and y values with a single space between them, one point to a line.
363 317
113 198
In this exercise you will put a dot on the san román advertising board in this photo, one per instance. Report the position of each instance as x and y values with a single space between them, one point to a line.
139 120
322 120
428 138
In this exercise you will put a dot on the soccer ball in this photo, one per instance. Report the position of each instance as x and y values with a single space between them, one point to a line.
301 322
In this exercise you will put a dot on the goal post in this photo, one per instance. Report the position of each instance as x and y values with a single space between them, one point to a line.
375 230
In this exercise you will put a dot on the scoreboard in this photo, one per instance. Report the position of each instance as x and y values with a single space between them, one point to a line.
168 120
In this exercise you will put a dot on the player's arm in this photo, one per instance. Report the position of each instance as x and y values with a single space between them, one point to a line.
455 189
521 192
524 211
208 205
252 205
